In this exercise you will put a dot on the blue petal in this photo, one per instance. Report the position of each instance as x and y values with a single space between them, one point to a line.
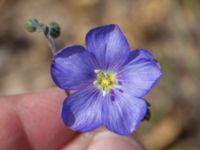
72 68
140 73
109 45
139 53
122 113
82 110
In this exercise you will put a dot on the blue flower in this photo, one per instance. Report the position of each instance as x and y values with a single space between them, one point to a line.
110 81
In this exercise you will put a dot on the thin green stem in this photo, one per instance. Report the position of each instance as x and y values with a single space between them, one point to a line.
51 42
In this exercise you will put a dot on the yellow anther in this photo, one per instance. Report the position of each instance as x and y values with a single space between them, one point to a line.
104 81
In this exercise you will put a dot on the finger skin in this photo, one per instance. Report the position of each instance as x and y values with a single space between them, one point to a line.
33 121
110 141
102 139
12 135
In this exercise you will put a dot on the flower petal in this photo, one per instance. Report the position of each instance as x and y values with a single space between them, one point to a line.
122 113
73 68
82 110
139 53
109 45
140 73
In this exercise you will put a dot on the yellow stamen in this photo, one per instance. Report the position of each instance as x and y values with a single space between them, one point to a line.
104 81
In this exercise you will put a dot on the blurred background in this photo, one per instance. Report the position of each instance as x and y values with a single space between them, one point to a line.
168 28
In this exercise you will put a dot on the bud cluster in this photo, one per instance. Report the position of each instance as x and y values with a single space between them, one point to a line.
51 31
52 28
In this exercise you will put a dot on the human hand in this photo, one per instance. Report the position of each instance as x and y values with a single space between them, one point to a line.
33 122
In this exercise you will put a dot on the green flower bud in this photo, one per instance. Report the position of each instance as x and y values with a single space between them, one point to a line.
53 29
31 25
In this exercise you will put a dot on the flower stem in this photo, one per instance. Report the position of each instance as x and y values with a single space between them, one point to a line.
51 43
51 31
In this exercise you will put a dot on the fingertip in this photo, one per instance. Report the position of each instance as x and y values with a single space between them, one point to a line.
40 116
109 141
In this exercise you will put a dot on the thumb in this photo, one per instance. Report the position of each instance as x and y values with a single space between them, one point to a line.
103 139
